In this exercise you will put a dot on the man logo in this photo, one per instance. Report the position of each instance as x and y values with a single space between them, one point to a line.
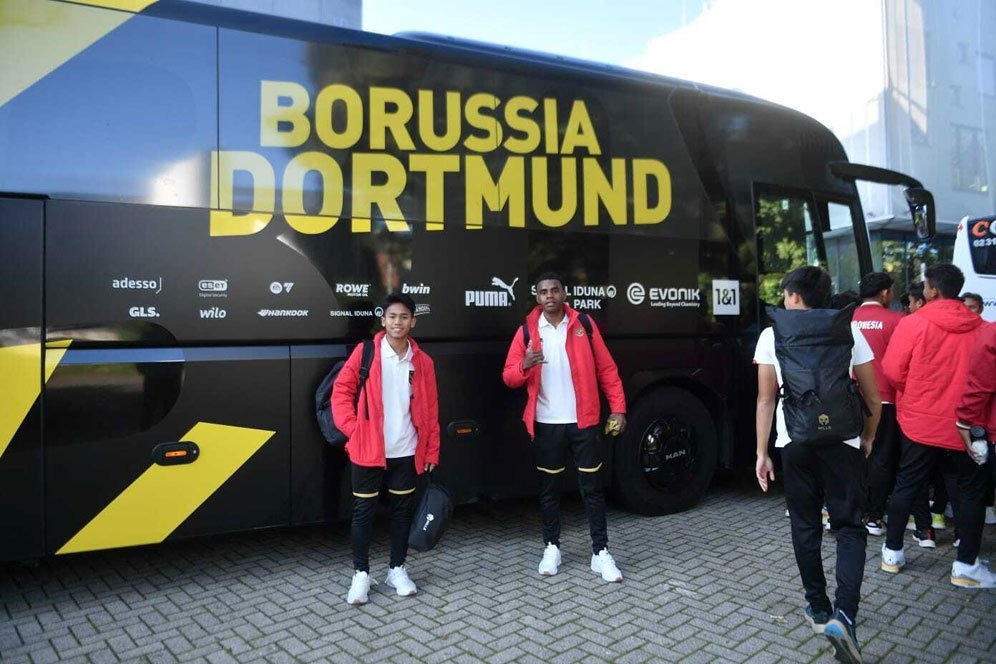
824 420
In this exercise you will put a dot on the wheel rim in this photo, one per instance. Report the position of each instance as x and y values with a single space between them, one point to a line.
668 451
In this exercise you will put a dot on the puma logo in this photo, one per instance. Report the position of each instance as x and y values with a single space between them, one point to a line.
498 283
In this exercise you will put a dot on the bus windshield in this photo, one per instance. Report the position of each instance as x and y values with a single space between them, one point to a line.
982 245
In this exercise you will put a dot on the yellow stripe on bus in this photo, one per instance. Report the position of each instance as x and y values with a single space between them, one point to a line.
20 366
164 496
36 38
134 6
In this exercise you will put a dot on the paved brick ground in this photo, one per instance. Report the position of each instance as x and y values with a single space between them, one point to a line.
717 583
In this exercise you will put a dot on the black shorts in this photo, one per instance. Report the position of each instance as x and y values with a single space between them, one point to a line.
553 441
399 476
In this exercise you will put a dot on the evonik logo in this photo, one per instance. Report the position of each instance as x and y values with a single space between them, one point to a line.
127 283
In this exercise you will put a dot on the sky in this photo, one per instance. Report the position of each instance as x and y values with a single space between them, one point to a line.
812 55
609 32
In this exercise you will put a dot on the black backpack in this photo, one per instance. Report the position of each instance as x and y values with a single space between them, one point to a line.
431 517
323 395
820 401
582 318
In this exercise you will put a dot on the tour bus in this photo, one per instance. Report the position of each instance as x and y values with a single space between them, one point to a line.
975 254
202 209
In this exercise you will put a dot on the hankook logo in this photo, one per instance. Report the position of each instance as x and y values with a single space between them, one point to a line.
283 313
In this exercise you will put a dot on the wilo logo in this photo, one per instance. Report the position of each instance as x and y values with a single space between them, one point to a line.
416 289
278 287
353 290
143 312
213 312
492 298
154 285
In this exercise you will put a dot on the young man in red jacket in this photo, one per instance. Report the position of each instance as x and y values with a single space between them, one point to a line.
562 369
392 428
927 361
877 322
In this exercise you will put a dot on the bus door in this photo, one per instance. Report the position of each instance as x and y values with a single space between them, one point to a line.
21 361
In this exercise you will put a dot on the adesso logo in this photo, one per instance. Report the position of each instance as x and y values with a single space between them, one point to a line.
154 285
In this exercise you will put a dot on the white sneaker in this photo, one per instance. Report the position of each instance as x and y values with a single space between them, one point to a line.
397 578
990 515
892 561
551 560
972 576
359 588
606 566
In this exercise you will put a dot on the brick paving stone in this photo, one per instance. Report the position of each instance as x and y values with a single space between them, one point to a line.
693 591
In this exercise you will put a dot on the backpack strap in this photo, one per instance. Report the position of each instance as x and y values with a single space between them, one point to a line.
525 335
366 359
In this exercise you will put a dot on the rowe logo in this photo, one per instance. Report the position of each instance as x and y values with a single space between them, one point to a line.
353 290
503 297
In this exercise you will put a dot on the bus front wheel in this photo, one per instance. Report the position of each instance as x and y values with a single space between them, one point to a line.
665 459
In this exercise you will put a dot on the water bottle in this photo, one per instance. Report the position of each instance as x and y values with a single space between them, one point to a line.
980 445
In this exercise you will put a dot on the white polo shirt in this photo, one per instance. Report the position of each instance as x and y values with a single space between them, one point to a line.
861 353
397 374
556 403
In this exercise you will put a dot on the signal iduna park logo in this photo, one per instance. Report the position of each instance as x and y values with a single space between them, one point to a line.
446 139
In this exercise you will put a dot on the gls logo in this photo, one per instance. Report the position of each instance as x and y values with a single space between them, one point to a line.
143 312
278 287
353 290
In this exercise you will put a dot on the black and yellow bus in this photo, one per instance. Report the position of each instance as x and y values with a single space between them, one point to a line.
200 210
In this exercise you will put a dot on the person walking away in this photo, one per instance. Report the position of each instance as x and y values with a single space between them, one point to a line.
392 427
928 360
831 469
562 365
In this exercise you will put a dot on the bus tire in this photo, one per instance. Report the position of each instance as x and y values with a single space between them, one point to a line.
666 458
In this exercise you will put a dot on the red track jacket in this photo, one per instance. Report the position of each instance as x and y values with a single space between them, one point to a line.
877 324
364 424
977 405
927 361
591 366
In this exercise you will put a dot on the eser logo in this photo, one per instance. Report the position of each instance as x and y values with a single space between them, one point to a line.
212 285
143 312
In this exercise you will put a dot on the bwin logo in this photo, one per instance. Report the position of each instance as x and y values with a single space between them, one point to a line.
416 289
428 520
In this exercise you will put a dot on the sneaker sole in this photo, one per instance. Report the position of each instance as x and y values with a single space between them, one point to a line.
401 594
605 578
927 544
844 648
547 573
971 584
891 569
818 628
877 532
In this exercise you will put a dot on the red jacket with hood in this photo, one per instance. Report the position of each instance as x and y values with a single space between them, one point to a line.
591 367
977 405
363 424
927 360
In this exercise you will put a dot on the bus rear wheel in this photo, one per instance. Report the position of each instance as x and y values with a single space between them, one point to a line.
665 460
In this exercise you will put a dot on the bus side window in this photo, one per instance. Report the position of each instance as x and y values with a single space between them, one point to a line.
841 248
785 241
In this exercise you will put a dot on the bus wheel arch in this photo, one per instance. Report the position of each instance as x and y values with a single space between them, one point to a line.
665 460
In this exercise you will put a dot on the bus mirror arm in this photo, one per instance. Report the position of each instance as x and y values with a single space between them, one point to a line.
919 200
922 211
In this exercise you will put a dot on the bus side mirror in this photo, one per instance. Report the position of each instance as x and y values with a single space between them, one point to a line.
922 211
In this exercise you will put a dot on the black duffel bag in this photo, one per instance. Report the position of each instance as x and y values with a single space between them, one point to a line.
431 517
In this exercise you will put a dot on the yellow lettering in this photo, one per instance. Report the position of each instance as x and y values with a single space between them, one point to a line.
482 189
486 123
223 166
385 196
324 108
272 113
294 175
427 119
579 132
541 194
551 128
598 188
517 118
383 120
643 211
435 167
